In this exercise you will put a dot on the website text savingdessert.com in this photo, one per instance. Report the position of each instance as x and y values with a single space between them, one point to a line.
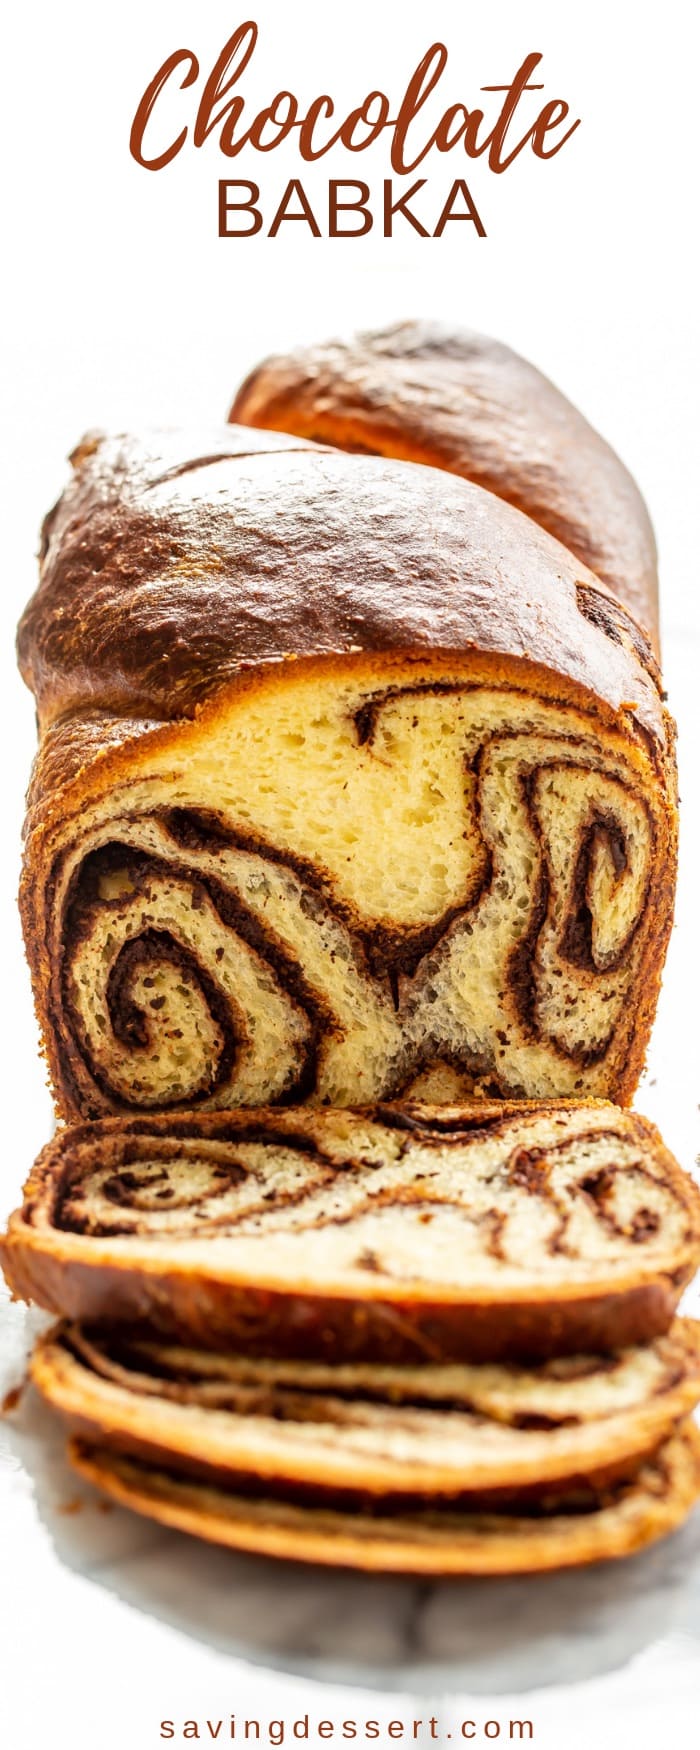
279 1731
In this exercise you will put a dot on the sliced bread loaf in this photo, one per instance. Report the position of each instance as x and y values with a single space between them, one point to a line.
624 1520
469 1433
397 1233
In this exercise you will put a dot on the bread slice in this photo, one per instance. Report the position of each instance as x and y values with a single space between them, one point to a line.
348 1433
347 788
398 1233
465 402
627 1518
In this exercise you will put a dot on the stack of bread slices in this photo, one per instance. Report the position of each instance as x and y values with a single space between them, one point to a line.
348 877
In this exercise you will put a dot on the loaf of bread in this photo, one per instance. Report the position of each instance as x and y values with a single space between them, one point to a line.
432 1541
465 402
349 871
352 782
481 1436
401 1234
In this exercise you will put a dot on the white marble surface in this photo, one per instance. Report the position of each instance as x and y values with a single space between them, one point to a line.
137 1624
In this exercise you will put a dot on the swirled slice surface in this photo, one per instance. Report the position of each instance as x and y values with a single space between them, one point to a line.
401 1230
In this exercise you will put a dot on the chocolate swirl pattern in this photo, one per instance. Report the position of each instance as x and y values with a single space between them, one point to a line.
589 1194
399 1233
267 949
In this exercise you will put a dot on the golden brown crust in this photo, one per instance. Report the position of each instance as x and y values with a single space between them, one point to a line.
197 1308
431 1543
466 403
168 568
208 1301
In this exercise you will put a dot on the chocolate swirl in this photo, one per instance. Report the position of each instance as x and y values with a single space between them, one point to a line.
199 960
402 1233
562 1185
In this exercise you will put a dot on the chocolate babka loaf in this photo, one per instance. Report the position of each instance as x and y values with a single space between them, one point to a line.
352 783
465 402
476 1435
396 1234
626 1517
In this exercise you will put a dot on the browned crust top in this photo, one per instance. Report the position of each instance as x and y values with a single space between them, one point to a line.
173 563
465 402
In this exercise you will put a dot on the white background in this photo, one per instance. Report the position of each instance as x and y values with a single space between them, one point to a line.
121 306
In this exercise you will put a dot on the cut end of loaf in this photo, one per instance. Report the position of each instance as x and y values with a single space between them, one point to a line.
345 884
